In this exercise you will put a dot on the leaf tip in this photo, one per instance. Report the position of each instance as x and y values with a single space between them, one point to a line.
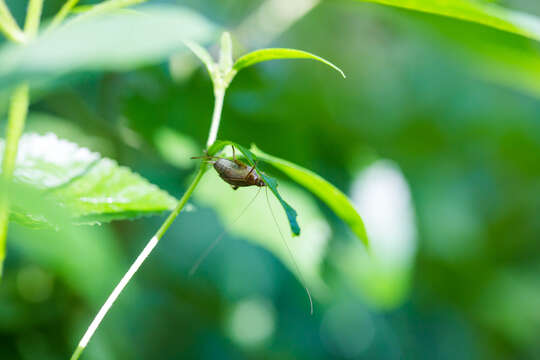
338 70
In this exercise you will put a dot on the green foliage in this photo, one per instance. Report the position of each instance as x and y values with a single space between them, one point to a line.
223 72
261 55
90 188
328 193
117 41
424 92
475 11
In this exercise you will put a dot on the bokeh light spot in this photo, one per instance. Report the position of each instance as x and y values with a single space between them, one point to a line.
251 322
347 330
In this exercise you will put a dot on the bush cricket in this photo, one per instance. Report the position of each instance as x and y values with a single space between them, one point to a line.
238 174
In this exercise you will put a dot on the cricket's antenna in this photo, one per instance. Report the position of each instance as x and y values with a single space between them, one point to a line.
211 247
205 157
291 255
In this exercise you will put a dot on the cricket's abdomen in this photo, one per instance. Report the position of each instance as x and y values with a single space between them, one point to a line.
237 173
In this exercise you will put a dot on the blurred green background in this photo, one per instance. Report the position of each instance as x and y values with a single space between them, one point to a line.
435 136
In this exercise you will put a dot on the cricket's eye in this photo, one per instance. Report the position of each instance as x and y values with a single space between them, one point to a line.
262 183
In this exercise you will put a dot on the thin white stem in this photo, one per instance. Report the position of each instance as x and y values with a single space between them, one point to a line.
219 94
117 290
135 266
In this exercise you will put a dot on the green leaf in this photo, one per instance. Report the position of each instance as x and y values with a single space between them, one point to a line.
203 55
479 12
118 41
108 192
270 181
289 211
107 6
88 187
258 227
44 161
332 196
275 54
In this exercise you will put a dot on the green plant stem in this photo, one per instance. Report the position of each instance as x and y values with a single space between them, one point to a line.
136 265
8 25
170 219
219 92
33 15
18 109
62 13
17 115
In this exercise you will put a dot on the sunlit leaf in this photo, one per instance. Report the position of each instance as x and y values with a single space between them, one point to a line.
90 188
271 182
109 192
34 210
117 41
475 11
275 54
47 162
332 196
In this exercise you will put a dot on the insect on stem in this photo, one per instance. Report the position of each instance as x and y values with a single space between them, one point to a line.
234 172
237 174
297 268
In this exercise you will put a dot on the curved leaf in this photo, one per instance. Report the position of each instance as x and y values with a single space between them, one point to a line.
258 227
332 196
270 181
117 41
258 56
88 187
486 14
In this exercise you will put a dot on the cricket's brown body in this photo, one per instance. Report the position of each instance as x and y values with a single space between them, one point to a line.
237 173
234 171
